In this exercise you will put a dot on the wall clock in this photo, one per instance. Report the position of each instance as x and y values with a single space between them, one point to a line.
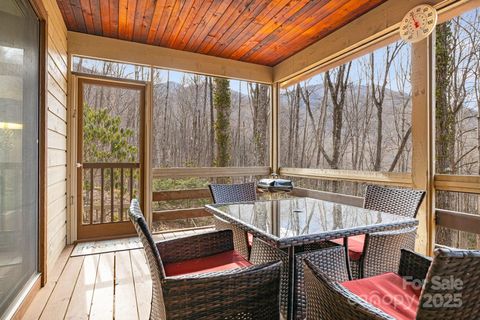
418 23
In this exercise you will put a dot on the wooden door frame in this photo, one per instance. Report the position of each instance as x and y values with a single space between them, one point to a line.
42 16
124 229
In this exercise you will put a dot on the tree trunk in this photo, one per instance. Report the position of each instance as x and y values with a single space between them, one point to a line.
445 133
222 103
212 125
260 98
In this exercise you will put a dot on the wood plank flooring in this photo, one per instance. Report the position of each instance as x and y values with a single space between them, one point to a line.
113 285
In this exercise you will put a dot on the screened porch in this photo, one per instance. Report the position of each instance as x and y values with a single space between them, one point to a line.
158 100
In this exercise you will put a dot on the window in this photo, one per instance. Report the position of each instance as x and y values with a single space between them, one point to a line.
457 119
110 69
459 202
202 121
458 95
356 116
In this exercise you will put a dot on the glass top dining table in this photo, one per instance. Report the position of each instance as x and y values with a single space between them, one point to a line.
291 223
298 221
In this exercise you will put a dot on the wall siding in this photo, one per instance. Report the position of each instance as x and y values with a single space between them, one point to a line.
57 133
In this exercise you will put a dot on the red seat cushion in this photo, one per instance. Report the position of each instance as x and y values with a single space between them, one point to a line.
218 262
250 239
355 246
389 293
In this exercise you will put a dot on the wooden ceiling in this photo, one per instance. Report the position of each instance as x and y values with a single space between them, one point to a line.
258 31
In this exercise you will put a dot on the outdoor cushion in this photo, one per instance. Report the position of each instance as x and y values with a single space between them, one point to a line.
218 262
389 293
355 246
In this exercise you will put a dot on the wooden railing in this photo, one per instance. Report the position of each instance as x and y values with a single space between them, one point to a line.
195 194
453 219
203 193
328 196
445 218
175 214
384 178
122 180
458 220
210 172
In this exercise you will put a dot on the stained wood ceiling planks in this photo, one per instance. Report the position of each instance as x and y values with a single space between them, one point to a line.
258 31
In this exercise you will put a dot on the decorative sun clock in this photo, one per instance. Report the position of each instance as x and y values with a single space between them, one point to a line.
418 23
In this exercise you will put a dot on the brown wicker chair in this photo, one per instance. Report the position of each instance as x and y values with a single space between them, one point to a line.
314 251
381 252
404 202
262 252
265 253
229 193
328 299
242 293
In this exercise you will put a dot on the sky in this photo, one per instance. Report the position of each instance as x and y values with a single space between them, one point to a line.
174 76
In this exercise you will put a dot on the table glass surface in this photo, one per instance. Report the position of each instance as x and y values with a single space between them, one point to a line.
304 216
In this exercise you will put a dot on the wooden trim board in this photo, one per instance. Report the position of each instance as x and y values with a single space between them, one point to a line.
42 15
168 195
458 220
28 298
210 172
457 183
329 196
386 178
132 52
180 214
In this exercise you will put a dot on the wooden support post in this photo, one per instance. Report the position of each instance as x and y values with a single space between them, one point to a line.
147 149
274 162
423 101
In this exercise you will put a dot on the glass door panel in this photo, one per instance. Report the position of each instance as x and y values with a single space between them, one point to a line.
19 81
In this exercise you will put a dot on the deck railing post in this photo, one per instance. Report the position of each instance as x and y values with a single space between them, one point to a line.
423 131
274 162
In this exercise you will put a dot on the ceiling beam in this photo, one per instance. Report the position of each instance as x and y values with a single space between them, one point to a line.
375 26
131 52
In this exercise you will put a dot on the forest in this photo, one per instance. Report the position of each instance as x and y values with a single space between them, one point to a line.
356 116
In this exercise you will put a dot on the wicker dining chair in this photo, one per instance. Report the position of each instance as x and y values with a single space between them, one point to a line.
251 292
330 297
403 202
229 193
263 252
453 273
312 251
381 252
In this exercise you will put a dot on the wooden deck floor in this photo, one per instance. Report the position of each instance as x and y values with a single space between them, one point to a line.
114 285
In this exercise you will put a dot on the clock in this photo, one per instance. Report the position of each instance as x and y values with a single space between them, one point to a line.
418 23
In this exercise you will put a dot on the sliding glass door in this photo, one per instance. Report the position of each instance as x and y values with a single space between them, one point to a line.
19 136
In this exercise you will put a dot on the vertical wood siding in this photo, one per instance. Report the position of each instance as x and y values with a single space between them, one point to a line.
57 133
